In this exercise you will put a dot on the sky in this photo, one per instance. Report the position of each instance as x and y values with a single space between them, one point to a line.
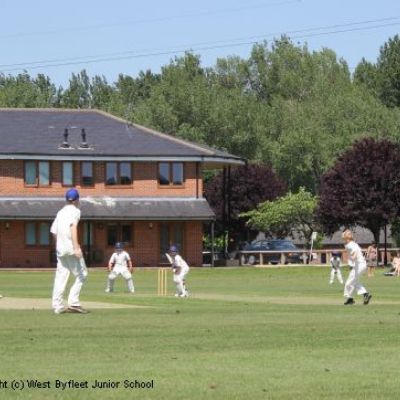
108 38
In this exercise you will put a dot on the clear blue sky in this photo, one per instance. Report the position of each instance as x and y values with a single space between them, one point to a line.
147 34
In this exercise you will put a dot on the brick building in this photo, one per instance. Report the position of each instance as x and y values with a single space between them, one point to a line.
137 186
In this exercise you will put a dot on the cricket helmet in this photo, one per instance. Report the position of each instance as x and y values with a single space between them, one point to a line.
119 246
72 194
173 249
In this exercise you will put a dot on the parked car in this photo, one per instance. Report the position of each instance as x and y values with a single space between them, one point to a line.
272 245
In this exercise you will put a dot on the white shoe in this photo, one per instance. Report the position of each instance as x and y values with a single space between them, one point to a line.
108 291
1 296
60 311
132 291
177 294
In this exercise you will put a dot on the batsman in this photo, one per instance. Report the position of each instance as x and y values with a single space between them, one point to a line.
180 269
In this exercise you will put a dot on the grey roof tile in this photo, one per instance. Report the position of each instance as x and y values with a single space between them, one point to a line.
108 208
40 132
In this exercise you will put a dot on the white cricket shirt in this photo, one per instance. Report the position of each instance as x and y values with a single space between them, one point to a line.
353 248
69 215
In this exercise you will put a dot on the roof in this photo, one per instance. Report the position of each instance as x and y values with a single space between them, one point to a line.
39 133
109 208
362 236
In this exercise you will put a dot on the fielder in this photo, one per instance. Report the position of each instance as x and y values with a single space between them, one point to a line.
358 266
69 255
335 268
120 264
180 269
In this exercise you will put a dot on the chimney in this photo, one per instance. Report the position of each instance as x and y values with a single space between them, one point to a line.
65 144
84 144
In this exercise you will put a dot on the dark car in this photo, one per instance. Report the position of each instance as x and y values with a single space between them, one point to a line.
273 258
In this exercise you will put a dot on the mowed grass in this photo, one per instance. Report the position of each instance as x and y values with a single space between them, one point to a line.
246 333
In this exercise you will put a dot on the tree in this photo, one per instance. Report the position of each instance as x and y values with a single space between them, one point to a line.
250 185
78 95
383 78
362 188
388 67
366 74
294 212
24 91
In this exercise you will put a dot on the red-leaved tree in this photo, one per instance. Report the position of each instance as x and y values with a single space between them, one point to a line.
362 188
250 185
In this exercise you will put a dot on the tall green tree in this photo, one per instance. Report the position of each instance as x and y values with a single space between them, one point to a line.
388 67
25 91
78 94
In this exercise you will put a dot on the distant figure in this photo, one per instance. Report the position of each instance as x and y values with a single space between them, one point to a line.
335 268
120 263
358 266
396 264
372 254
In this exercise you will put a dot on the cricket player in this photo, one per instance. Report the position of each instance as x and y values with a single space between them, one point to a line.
335 268
120 264
358 266
180 269
69 255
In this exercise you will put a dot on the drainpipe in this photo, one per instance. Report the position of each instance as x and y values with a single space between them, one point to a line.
212 243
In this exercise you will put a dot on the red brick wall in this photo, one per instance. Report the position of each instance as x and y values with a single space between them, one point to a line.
145 250
145 176
194 242
14 253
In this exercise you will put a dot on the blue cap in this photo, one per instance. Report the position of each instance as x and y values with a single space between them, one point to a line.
173 249
71 195
119 246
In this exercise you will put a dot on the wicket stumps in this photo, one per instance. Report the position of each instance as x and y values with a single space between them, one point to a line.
162 282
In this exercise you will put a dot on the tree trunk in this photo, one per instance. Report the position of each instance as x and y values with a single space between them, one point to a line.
376 233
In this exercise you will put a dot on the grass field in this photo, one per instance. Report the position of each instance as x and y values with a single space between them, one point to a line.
278 333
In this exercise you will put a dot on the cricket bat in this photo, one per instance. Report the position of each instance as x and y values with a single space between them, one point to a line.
169 258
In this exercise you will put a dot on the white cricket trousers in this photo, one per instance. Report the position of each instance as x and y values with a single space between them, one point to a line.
66 265
353 283
126 275
338 275
179 280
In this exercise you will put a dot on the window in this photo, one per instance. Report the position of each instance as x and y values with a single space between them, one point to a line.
170 233
30 234
37 173
37 234
87 239
119 173
170 174
68 173
119 232
87 173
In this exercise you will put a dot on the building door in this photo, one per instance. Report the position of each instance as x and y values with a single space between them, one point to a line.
171 233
